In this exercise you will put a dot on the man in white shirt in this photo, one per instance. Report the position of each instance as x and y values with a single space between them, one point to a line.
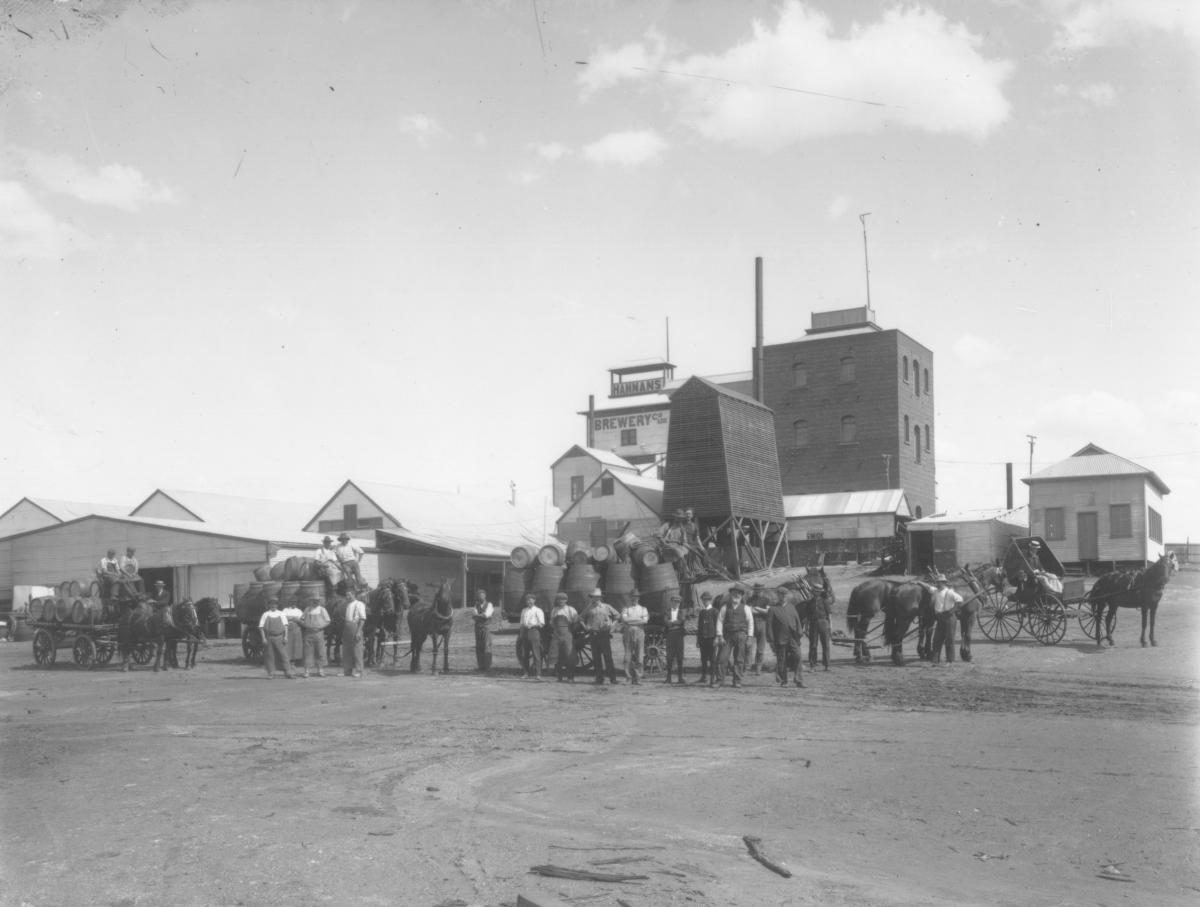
530 640
482 615
945 603
129 569
352 636
274 626
312 624
349 555
735 624
109 572
634 617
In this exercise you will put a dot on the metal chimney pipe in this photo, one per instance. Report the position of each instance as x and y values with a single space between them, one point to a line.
758 330
1008 484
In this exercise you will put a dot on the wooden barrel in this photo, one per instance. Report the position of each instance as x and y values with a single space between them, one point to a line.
656 582
578 553
62 609
523 556
86 611
513 589
63 589
277 571
239 592
645 554
581 579
625 544
546 581
95 590
49 608
618 577
262 574
288 593
37 607
552 555
75 590
601 553
311 591
270 591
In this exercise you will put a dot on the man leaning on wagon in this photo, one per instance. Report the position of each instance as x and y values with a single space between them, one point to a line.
563 619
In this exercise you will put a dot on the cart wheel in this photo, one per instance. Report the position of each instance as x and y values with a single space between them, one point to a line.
656 653
143 653
1087 620
252 645
999 619
85 651
44 649
1047 619
583 654
104 653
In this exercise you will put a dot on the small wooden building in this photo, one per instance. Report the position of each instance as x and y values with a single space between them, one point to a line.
947 541
843 526
1097 509
722 463
614 501
576 470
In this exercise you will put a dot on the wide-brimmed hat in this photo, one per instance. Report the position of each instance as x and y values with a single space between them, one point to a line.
595 593
561 597
705 596
344 537
328 538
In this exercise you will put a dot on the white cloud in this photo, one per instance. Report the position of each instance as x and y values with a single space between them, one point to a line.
1103 23
797 80
1102 94
551 151
27 230
978 350
115 185
626 148
633 62
422 128
838 207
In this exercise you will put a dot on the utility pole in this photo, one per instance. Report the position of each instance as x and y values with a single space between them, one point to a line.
512 487
887 468
862 219
1031 438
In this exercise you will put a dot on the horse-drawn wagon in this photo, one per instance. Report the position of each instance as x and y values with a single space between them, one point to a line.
1029 591
84 621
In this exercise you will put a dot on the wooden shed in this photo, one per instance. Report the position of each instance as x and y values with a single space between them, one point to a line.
950 540
722 463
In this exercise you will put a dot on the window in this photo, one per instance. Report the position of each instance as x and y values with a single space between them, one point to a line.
1120 521
606 486
628 437
917 441
906 370
599 533
1056 526
799 374
814 536
926 381
849 430
800 433
350 516
927 437
847 372
907 434
918 512
1155 525
916 378
576 487
330 526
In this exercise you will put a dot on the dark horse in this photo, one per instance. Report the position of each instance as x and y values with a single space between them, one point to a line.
1130 589
142 622
432 620
899 602
189 622
381 625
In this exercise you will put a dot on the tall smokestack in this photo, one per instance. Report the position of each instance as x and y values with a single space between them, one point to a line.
1008 484
758 330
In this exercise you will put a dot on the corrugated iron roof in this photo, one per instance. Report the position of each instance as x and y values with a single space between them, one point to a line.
846 503
232 511
1092 461
70 510
1018 516
257 533
603 457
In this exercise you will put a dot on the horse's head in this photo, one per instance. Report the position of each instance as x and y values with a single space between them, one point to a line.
443 600
819 580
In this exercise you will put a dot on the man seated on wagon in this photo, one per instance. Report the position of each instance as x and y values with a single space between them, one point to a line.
109 572
130 574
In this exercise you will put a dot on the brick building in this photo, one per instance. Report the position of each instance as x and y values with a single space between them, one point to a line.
854 409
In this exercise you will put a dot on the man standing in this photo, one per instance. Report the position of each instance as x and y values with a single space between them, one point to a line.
563 619
674 630
530 640
599 619
818 629
706 636
634 617
945 601
352 635
349 555
786 632
735 623
273 627
758 636
312 629
160 594
481 614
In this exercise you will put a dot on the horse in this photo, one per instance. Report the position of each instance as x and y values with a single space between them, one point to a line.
1130 589
899 602
145 622
432 621
380 624
188 629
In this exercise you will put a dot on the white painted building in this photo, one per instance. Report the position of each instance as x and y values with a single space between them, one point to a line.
955 539
614 500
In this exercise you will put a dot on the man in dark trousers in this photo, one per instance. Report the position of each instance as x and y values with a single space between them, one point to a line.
735 623
818 629
673 627
706 637
563 619
786 631
945 604
599 619
759 603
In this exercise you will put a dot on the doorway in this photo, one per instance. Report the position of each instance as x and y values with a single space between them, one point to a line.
1089 536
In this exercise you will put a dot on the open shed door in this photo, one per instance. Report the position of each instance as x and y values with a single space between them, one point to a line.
945 549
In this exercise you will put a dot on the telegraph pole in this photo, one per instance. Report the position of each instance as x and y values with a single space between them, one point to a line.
1031 438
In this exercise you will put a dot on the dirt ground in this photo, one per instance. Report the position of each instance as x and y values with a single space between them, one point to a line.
1012 780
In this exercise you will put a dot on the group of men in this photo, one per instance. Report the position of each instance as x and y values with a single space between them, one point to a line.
277 624
343 558
123 574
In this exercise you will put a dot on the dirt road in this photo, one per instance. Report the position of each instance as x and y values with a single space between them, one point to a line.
1011 780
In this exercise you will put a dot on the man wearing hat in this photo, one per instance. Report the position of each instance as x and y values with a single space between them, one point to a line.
130 574
945 602
634 617
786 631
563 619
673 626
160 595
109 572
349 555
481 614
529 642
758 635
706 636
599 618
735 623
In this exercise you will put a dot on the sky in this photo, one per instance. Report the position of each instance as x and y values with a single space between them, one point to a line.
258 248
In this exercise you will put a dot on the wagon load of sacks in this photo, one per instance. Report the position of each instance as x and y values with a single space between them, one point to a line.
576 569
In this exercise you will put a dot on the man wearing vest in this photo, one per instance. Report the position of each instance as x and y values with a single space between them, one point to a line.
273 626
786 632
673 627
706 637
599 618
735 623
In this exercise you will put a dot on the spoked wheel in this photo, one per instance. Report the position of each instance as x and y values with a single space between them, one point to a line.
1087 619
999 619
44 649
656 653
584 657
1047 619
143 653
84 651
252 645
104 653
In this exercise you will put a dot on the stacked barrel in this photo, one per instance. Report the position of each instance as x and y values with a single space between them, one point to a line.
73 602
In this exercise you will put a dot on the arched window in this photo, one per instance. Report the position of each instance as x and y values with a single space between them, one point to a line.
847 373
918 512
849 430
799 374
917 440
927 437
800 433
906 432
927 381
905 369
916 378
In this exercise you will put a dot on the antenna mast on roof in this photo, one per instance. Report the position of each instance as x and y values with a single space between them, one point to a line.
862 219
668 338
